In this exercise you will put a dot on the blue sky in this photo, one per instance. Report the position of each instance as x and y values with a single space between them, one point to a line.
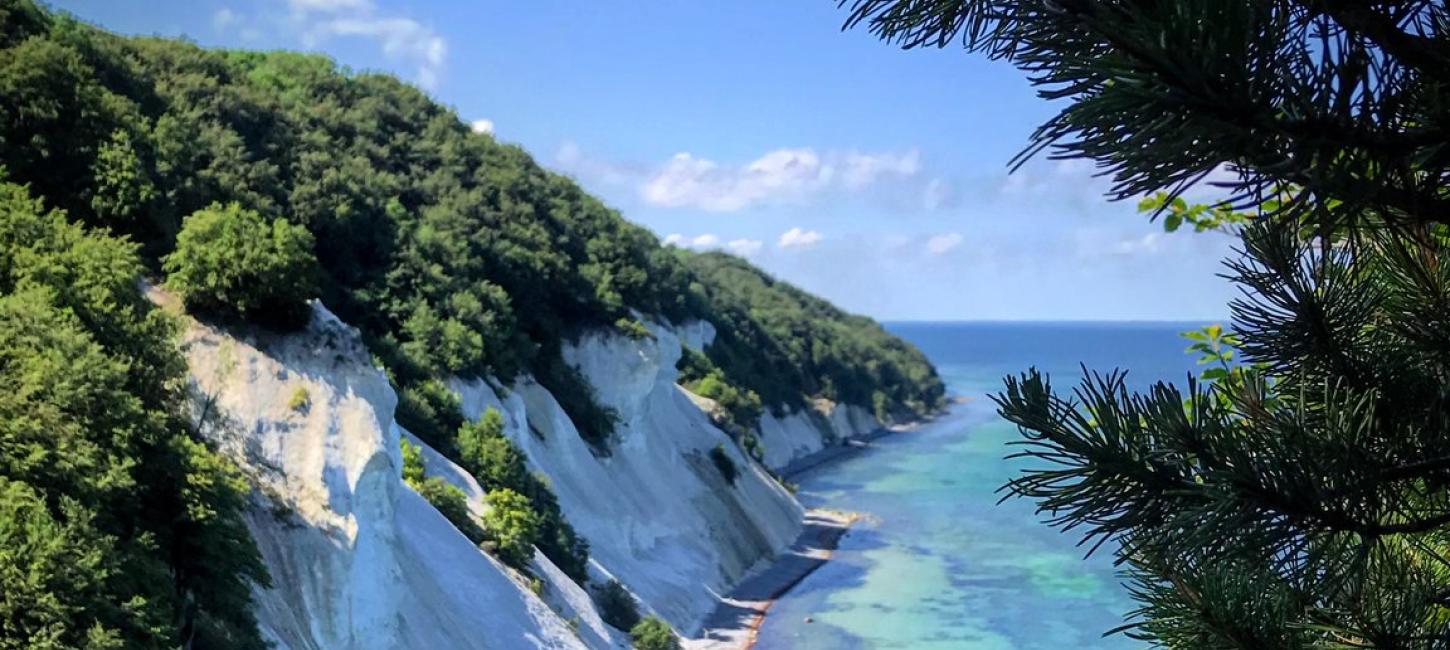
870 175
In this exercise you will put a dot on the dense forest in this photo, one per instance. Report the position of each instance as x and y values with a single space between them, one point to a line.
248 183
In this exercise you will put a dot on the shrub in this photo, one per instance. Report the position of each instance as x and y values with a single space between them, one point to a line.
300 400
616 606
575 395
512 526
632 328
453 504
654 634
430 411
724 463
498 463
231 263
702 377
413 470
490 456
444 496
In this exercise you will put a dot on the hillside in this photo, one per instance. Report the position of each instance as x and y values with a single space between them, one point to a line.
248 184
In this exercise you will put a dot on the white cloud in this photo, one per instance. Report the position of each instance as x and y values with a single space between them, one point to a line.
401 39
943 243
780 175
799 238
481 126
706 240
787 175
710 241
745 247
224 18
1149 243
936 195
862 169
328 6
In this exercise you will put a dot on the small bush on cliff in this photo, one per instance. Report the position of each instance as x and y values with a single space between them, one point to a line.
512 527
444 496
233 264
300 401
453 504
496 462
632 328
724 463
429 410
702 377
616 606
654 634
490 456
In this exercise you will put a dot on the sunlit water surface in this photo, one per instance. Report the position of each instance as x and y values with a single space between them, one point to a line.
939 564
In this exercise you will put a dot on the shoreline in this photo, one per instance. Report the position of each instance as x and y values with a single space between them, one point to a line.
735 623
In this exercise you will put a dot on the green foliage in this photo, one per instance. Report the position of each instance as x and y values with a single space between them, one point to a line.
449 500
1296 497
300 400
231 263
724 463
429 410
702 377
117 528
452 253
654 634
784 346
616 605
415 470
512 526
445 497
489 455
632 328
574 394
1177 212
497 463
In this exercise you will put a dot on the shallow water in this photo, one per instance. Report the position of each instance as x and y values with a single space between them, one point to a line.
939 564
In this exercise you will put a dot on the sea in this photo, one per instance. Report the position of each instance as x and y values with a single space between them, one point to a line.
937 561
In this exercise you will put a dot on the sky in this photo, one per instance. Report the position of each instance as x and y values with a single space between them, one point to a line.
875 177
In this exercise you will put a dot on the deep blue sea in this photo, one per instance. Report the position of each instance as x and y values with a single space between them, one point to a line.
938 564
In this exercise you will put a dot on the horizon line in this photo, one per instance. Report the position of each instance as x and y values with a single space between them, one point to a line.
1145 321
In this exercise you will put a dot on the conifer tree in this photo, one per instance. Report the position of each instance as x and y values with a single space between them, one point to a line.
1299 498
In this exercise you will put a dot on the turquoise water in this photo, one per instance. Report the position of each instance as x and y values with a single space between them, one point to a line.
939 564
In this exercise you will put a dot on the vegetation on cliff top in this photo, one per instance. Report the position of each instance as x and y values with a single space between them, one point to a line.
453 253
253 181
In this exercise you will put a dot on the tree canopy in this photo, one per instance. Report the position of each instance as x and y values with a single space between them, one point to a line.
254 181
231 263
118 528
454 253
1297 498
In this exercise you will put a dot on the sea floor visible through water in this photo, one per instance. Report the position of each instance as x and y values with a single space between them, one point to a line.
937 562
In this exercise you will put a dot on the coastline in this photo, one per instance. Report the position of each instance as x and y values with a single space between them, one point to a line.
736 620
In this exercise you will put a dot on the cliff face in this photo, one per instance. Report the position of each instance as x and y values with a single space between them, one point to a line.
361 561
357 558
796 435
658 514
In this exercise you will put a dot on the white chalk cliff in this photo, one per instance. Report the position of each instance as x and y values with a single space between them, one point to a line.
361 561
794 436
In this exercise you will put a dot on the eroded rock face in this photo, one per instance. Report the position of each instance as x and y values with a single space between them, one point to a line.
657 512
361 561
802 433
358 559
